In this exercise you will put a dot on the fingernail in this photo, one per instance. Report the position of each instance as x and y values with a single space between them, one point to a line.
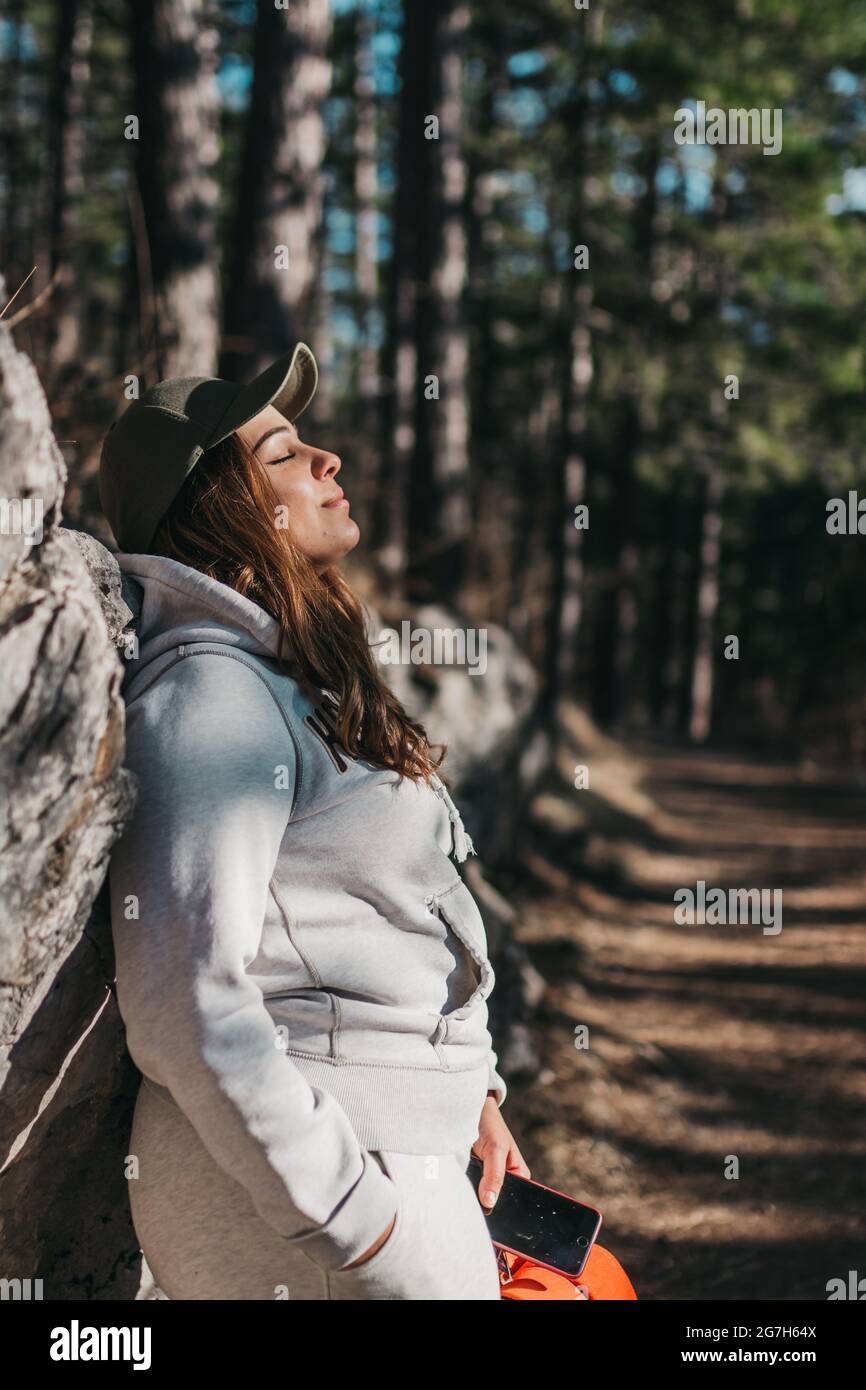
489 1198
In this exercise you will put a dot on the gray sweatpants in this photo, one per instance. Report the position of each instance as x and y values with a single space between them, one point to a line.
203 1238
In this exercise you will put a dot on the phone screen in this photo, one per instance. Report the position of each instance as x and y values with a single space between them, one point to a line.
539 1223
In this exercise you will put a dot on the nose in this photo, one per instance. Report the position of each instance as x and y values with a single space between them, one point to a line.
325 464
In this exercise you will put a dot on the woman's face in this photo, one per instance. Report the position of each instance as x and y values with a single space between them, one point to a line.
312 506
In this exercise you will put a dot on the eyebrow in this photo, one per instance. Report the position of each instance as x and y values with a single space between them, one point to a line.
278 429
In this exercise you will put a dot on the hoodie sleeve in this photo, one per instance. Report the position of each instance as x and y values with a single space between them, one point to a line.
189 892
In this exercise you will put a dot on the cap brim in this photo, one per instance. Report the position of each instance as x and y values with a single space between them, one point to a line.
289 385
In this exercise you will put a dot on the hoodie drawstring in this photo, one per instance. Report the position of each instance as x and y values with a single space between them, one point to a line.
462 842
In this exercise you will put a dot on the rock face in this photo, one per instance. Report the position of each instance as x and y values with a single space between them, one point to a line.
65 1078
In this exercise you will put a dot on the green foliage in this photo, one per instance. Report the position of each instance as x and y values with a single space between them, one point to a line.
705 262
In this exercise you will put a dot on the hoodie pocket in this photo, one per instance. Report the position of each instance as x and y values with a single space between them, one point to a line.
370 1279
440 1247
458 910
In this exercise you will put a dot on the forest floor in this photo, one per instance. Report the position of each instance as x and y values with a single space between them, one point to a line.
704 1041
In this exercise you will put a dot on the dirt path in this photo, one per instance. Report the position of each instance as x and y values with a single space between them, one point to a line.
707 1041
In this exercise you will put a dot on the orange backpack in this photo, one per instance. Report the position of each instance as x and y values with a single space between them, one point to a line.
603 1277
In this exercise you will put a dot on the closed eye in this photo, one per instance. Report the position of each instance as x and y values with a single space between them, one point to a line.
284 459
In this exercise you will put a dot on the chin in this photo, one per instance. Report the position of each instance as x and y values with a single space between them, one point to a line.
354 535
342 548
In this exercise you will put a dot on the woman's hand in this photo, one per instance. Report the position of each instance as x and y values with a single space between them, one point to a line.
371 1250
498 1152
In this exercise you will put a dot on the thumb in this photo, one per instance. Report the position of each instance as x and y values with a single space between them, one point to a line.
492 1177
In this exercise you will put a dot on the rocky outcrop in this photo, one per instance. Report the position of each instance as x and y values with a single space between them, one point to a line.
65 1078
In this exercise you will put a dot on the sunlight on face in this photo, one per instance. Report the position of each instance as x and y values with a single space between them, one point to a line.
305 481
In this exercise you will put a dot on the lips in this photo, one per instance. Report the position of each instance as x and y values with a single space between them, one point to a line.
337 500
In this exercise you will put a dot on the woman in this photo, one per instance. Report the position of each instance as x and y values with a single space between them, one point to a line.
302 972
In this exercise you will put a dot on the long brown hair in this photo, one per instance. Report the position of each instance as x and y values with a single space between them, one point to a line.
222 523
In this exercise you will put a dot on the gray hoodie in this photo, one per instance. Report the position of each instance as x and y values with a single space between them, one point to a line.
300 966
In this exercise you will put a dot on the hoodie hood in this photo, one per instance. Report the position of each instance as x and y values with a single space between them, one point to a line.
175 605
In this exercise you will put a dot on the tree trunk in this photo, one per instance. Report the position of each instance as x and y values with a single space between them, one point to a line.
174 53
366 388
610 667
71 77
278 217
566 540
660 653
411 210
567 537
688 584
613 695
439 516
366 218
12 232
483 231
707 606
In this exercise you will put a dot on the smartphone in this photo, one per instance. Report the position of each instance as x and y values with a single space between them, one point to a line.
539 1222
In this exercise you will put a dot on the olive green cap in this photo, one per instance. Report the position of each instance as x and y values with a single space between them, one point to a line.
153 446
